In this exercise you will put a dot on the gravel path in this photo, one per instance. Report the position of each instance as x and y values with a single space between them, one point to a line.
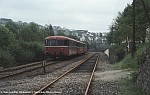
106 80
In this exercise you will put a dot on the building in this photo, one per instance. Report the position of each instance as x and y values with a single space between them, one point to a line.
3 21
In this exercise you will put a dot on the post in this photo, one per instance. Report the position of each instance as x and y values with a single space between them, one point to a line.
127 42
43 64
133 35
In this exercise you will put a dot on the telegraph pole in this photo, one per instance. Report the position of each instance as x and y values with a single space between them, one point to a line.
133 35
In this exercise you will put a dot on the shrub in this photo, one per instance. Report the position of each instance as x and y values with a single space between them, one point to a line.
6 59
38 50
36 47
127 62
129 86
22 55
119 51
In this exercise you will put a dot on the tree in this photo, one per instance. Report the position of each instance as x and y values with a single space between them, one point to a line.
61 33
6 59
6 37
121 29
25 34
50 30
12 27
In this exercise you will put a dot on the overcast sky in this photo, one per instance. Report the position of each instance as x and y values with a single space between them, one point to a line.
91 15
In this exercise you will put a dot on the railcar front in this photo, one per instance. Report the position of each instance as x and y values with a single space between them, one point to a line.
56 46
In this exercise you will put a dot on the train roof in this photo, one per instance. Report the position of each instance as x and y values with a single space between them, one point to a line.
62 37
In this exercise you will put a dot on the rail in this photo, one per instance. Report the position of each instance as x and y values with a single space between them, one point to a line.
41 66
45 87
89 83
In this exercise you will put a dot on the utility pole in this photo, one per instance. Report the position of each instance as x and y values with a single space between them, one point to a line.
133 35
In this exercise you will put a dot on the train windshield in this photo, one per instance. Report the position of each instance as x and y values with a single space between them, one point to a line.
62 42
50 42
53 42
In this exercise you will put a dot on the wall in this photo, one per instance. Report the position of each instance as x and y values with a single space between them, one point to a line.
144 75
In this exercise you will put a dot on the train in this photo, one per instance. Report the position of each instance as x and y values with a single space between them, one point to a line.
62 46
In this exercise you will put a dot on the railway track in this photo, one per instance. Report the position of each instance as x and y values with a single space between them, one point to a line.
14 72
6 73
85 67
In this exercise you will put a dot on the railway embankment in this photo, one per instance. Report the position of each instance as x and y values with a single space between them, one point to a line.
106 79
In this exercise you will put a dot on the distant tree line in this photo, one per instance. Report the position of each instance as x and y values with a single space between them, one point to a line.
24 43
121 28
20 44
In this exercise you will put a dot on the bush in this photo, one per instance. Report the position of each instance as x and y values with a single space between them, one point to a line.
6 59
127 62
129 86
22 55
6 37
36 47
27 56
38 50
119 51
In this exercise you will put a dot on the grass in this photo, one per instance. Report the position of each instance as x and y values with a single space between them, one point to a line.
129 86
126 63
129 62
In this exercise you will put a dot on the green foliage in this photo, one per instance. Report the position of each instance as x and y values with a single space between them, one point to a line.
36 48
6 37
119 51
122 25
129 86
31 32
22 54
12 26
49 30
61 33
129 62
6 59
21 44
141 49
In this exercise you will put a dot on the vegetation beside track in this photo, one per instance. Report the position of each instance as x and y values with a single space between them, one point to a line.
20 44
129 86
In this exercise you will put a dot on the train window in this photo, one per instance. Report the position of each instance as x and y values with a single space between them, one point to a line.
50 42
60 42
66 42
72 43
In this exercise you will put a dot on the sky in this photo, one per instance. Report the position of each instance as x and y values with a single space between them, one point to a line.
91 15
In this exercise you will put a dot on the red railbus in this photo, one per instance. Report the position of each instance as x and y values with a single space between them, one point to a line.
61 46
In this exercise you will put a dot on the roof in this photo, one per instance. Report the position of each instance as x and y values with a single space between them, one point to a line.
62 37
